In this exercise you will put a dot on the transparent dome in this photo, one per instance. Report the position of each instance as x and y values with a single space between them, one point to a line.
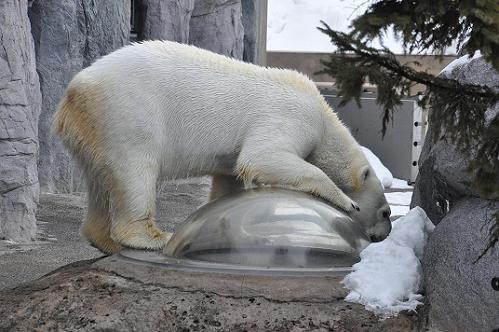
268 229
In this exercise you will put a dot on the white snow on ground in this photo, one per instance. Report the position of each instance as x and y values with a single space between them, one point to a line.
399 201
292 24
400 184
384 175
399 198
399 210
389 275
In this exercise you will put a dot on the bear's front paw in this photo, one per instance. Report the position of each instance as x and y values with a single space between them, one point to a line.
348 205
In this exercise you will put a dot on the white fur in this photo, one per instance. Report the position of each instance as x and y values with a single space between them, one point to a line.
173 111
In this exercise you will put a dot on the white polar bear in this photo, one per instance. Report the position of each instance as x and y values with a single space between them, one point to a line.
166 110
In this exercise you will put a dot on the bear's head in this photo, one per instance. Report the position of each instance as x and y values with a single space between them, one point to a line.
374 213
341 158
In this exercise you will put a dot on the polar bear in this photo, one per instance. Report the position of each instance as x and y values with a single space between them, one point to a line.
163 110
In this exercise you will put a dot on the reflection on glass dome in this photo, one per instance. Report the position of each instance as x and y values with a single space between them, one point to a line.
269 228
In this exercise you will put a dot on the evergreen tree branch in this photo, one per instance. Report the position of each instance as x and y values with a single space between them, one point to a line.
435 25
457 109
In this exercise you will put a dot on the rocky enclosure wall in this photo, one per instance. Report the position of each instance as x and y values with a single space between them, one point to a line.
20 102
69 35
60 38
163 19
217 26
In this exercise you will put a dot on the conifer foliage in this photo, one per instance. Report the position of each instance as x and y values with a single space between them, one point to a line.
456 109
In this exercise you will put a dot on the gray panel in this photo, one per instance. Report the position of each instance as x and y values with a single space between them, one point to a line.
396 149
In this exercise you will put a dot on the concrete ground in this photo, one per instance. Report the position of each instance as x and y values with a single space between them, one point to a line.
60 216
59 241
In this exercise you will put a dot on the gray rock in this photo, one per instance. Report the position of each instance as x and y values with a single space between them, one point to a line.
163 19
458 287
474 71
250 21
216 25
116 294
442 178
69 35
254 20
20 101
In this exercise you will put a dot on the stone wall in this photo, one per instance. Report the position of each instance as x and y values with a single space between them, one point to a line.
20 102
69 35
217 26
163 19
458 282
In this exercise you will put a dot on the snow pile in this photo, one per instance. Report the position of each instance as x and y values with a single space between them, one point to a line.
384 175
389 275
459 62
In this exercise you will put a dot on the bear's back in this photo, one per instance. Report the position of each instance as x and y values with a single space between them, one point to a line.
166 58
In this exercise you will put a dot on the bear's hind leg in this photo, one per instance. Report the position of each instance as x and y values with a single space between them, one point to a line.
96 229
133 198
97 225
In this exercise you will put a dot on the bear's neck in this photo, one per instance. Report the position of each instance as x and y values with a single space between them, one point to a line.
336 154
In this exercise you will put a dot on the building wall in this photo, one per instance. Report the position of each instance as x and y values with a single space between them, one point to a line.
310 63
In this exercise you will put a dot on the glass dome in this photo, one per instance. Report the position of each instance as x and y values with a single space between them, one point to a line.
268 229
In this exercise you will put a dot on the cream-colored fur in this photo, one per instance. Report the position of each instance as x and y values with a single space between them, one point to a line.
162 110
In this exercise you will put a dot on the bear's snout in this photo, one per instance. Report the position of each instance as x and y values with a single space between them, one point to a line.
380 231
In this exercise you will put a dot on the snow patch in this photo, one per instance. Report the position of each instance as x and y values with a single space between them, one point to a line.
459 62
389 276
399 210
384 175
399 198
400 184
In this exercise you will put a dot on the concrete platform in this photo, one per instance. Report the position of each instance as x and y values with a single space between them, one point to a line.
59 219
114 294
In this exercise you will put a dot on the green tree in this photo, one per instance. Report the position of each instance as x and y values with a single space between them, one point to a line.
428 26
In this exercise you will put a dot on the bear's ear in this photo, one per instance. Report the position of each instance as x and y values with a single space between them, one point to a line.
363 174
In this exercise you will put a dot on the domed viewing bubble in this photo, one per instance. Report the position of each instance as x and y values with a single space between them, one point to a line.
265 230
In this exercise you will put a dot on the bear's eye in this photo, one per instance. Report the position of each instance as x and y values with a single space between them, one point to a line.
366 174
